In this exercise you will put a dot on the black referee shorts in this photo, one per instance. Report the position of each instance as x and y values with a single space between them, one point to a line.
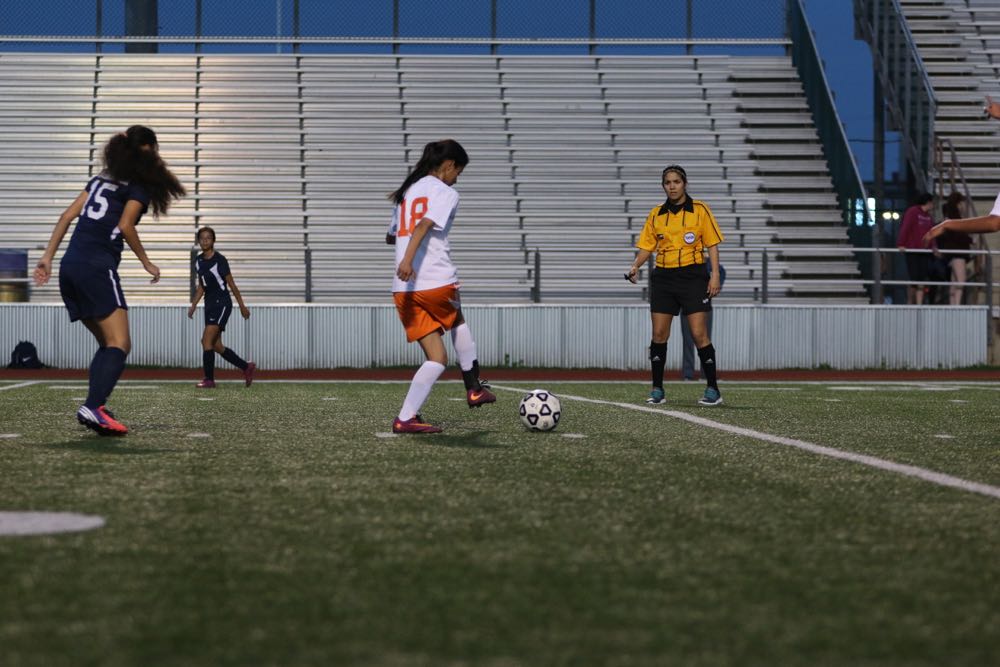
682 289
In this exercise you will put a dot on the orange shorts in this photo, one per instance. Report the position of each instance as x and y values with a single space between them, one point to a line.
427 311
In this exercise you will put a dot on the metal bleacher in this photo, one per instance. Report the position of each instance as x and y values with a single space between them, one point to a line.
290 158
959 44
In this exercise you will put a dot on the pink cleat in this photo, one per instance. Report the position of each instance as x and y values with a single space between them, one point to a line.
479 398
413 425
206 384
248 372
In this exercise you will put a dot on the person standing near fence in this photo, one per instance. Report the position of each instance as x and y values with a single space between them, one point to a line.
679 231
917 221
425 287
134 179
215 282
953 209
984 224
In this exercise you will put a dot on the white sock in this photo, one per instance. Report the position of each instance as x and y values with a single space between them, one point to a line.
465 347
420 388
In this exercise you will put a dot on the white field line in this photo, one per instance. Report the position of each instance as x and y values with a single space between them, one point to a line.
931 476
19 385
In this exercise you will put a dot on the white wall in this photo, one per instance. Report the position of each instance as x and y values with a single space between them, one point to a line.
571 336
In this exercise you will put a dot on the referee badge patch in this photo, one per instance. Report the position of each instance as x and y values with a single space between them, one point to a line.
689 238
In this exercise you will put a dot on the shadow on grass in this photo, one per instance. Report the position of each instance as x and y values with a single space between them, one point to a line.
474 440
103 446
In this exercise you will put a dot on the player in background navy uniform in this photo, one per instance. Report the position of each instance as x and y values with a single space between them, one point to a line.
134 179
215 282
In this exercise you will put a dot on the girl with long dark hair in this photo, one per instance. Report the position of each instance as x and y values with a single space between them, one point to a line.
134 179
425 287
215 282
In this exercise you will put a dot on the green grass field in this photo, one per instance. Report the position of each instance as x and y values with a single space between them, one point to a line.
279 526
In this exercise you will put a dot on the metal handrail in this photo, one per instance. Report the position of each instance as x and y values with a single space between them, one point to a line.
883 25
843 167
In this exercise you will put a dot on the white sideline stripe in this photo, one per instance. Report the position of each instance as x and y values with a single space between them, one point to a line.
931 476
19 385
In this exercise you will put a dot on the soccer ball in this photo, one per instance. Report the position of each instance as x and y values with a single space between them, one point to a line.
540 410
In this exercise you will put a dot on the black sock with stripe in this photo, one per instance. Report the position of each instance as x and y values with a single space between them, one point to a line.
657 360
707 356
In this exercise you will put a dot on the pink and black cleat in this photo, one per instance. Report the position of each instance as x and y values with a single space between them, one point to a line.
413 425
480 397
248 373
100 421
206 384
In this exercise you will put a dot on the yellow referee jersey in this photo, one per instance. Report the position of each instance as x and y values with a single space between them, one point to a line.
679 234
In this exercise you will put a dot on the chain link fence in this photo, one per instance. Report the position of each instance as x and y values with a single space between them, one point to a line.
325 25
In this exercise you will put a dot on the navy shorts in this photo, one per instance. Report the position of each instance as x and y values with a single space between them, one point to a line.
90 292
217 313
683 289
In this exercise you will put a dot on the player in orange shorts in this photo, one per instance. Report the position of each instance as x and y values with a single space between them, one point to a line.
425 288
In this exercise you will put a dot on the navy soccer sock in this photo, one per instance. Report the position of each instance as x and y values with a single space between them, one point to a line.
94 390
110 368
208 361
234 359
657 360
707 356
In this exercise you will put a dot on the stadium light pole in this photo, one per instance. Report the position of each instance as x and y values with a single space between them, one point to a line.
878 185
141 21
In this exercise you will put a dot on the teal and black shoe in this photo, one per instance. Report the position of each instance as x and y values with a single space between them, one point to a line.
656 396
711 397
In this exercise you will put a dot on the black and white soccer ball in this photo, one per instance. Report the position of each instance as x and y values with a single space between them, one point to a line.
540 410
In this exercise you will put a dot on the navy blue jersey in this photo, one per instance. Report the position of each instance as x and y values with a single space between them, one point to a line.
212 275
97 239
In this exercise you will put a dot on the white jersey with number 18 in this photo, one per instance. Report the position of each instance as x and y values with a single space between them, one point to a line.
427 198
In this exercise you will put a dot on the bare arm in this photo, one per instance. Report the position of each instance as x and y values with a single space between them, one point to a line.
992 108
126 225
641 258
43 270
198 293
405 269
244 311
981 225
714 280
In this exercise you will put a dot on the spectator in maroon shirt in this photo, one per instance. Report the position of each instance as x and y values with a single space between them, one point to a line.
917 221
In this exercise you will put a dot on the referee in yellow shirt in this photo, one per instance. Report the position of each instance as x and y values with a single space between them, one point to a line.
678 232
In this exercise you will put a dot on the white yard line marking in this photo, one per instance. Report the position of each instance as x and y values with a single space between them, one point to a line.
833 400
206 399
329 398
19 385
386 435
931 476
574 436
199 435
43 523
9 436
944 436
957 400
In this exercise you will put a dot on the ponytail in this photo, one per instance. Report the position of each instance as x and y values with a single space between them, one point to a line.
127 158
435 154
